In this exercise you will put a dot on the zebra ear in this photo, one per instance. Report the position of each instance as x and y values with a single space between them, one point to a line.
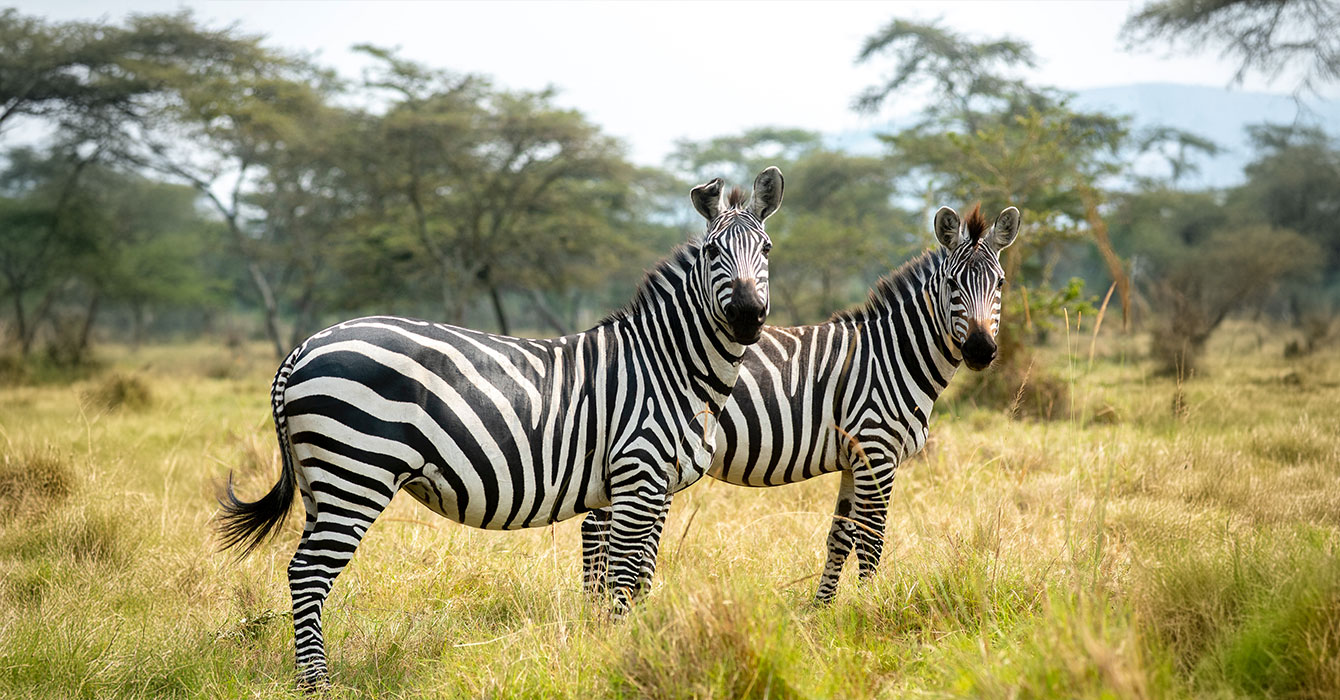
767 196
947 228
1005 230
707 199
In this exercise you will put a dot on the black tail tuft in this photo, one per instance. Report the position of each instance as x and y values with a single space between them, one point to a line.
247 525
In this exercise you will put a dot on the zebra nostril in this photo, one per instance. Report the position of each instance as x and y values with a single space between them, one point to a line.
762 315
732 312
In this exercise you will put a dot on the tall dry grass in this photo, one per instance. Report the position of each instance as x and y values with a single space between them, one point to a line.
1128 550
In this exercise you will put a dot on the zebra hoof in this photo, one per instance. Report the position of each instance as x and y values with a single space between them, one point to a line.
823 601
314 682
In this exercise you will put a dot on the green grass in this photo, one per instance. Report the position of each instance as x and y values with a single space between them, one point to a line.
1129 551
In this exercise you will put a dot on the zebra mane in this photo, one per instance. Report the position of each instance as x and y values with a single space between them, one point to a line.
888 290
975 223
735 198
680 258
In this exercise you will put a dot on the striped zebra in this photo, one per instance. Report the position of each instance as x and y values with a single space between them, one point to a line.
502 433
855 394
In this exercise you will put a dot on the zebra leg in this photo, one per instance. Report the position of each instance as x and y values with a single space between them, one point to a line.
874 488
329 539
634 511
651 551
595 551
840 537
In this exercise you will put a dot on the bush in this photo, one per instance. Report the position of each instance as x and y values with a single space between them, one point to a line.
1022 389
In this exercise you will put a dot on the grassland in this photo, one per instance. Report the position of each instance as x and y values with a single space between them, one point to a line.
1164 540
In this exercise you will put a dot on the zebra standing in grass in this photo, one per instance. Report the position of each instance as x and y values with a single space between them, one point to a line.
855 394
502 433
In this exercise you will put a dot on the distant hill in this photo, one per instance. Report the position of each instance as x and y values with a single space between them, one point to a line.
1218 114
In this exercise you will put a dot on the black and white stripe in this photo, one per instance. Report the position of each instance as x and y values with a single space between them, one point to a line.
855 395
503 433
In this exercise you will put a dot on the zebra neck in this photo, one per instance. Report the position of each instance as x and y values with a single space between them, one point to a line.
913 330
671 319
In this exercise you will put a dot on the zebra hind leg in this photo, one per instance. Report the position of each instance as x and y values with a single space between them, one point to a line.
595 552
840 539
336 525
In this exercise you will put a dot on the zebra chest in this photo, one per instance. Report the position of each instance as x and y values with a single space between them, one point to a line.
685 442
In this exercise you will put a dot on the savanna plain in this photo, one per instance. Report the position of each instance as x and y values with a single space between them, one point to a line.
1160 538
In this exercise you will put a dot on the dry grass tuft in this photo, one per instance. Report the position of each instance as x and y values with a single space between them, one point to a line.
121 391
34 480
709 643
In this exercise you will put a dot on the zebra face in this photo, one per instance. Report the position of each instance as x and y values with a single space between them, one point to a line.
972 279
734 259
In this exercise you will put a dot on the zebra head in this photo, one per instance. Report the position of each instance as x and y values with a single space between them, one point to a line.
971 279
734 259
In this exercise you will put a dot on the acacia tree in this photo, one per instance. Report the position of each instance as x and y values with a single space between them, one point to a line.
222 110
1263 37
987 135
501 190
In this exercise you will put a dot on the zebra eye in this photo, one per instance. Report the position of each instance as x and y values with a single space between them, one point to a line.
767 248
1000 283
712 249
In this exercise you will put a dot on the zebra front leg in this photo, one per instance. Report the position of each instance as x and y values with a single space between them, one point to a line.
633 517
595 552
874 488
649 556
840 535
328 543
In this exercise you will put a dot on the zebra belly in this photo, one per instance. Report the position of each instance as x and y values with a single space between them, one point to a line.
435 494
770 460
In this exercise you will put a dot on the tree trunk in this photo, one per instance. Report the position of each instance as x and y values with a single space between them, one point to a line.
137 323
271 308
496 299
86 331
547 313
1110 257
21 321
303 322
34 321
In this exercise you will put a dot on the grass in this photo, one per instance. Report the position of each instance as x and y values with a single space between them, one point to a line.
1132 550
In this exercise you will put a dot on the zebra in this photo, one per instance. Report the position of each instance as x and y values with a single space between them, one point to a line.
855 394
503 433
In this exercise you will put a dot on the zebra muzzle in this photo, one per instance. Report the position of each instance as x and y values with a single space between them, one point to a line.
746 311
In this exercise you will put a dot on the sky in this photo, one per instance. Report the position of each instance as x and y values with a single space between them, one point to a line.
652 73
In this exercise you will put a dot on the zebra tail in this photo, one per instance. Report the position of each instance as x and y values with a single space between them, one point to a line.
248 524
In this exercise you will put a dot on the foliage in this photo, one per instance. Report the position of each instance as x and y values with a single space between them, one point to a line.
968 80
839 228
79 234
995 139
1269 38
738 158
1199 261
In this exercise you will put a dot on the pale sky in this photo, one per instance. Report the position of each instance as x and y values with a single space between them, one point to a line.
653 72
